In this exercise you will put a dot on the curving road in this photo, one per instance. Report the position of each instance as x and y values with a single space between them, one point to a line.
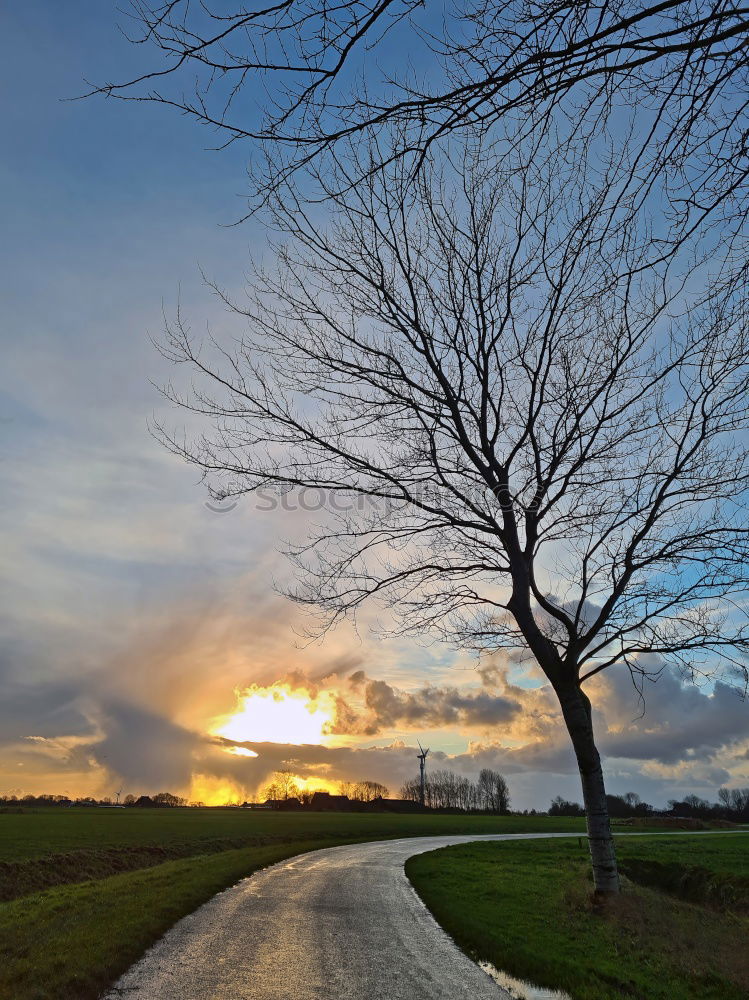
341 923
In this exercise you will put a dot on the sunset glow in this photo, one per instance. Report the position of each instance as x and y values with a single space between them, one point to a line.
214 791
278 714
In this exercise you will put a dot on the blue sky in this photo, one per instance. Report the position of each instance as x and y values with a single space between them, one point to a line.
127 605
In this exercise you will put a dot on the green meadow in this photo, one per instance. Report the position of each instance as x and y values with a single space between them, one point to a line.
679 930
86 891
38 833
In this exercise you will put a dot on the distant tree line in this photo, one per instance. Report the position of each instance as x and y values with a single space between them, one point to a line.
443 790
44 800
732 804
447 790
160 800
163 799
363 791
283 787
619 806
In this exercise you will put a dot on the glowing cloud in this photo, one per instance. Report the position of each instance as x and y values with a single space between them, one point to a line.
214 791
278 714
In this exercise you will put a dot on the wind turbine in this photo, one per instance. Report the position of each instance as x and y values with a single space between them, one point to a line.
422 761
118 796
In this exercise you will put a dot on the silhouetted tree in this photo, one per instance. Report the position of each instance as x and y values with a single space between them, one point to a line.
411 790
535 436
493 793
692 806
630 804
674 71
563 807
365 791
169 800
735 801
444 789
282 786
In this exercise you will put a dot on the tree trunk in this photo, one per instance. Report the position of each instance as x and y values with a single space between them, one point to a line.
577 716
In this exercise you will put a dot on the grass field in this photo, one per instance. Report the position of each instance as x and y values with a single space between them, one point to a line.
39 833
86 891
678 932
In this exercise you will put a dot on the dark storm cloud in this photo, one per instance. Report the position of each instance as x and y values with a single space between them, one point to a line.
675 722
146 750
45 708
428 707
390 765
327 673
42 710
553 756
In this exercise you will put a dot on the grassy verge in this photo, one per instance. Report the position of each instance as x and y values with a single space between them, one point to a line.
70 943
88 891
71 940
526 908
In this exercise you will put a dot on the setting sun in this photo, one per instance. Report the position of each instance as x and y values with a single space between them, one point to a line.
278 714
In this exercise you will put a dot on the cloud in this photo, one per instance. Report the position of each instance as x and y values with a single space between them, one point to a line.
146 750
386 707
135 705
677 721
391 765
47 711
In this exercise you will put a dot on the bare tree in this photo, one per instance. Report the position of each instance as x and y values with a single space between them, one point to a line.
362 791
632 799
411 790
366 791
674 71
493 792
527 441
735 800
168 799
563 807
444 789
282 786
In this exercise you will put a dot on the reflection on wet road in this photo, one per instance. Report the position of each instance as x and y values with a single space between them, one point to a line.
339 924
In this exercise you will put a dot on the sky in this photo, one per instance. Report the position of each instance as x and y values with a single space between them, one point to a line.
144 646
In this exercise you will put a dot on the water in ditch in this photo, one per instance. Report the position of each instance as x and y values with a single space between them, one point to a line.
519 989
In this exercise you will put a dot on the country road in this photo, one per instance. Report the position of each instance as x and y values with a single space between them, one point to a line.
341 923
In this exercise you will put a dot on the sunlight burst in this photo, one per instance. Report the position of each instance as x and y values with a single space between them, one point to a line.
241 752
278 714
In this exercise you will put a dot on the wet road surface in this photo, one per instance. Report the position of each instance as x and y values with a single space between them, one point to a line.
341 923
